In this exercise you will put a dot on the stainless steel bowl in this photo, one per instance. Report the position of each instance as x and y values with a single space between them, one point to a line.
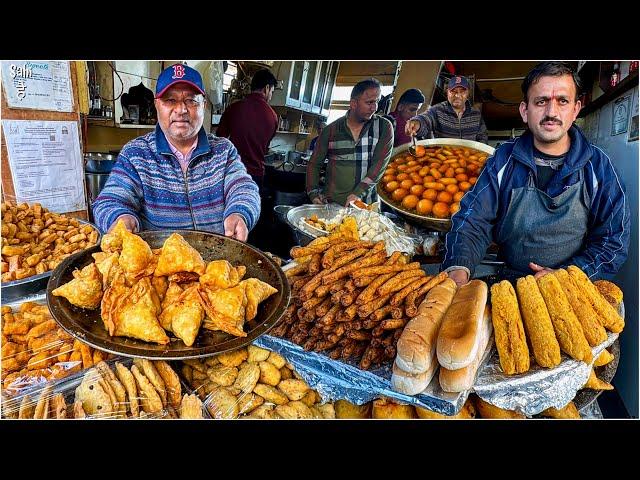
440 224
305 233
99 162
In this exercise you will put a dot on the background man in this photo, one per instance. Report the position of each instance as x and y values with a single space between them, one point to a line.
408 105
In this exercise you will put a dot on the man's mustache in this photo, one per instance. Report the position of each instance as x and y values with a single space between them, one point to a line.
551 119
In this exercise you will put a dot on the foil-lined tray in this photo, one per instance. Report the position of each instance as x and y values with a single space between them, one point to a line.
335 380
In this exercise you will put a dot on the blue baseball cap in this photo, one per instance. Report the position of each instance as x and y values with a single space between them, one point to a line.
458 81
178 73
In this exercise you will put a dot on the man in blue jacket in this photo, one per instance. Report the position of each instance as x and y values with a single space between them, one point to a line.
549 198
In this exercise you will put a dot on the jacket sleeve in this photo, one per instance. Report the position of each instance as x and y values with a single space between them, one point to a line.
482 135
122 194
381 156
241 194
315 163
427 121
607 242
472 226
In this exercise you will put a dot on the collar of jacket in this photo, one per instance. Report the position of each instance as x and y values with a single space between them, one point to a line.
579 153
162 144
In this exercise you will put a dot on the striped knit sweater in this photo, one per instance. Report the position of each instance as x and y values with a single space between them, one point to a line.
148 183
441 121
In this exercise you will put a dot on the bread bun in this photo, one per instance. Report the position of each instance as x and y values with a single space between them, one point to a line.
409 383
417 345
464 378
459 337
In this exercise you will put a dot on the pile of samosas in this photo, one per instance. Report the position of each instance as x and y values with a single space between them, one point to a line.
144 293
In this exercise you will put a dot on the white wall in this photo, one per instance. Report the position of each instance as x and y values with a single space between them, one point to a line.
624 155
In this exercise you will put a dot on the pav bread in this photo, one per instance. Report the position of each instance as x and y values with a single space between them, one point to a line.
458 340
416 348
463 378
412 383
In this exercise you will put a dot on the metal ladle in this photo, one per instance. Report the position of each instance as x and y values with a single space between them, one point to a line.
412 148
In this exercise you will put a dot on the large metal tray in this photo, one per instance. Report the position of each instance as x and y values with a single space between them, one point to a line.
440 224
17 289
87 325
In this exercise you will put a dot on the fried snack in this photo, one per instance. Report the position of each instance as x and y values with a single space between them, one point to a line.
137 315
117 387
610 291
42 407
149 397
467 411
190 407
607 315
78 410
594 332
85 290
178 256
399 281
257 354
26 409
487 410
594 383
222 404
319 247
298 268
171 382
399 297
374 259
129 383
509 331
565 323
149 370
256 291
95 401
135 256
604 358
225 309
329 255
346 409
112 241
384 269
221 274
248 377
411 308
58 406
537 322
568 411
384 408
108 266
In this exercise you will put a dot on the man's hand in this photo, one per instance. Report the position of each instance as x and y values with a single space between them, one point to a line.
412 127
129 223
459 276
539 269
351 198
235 227
319 200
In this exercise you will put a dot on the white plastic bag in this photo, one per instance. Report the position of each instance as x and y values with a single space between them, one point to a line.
213 83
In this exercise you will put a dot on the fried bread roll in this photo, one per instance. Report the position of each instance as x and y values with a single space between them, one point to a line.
595 383
464 378
607 315
593 330
509 330
610 291
604 358
537 323
459 337
416 348
565 323
487 410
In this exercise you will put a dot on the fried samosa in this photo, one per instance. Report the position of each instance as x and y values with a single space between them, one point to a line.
221 274
184 316
256 291
161 284
135 256
108 266
112 241
225 309
178 256
137 315
85 290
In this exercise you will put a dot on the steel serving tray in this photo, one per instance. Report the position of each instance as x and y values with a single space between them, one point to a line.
87 325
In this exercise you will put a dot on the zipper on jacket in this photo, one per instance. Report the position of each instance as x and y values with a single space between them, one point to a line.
186 184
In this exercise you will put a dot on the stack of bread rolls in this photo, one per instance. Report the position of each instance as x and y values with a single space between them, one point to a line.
452 330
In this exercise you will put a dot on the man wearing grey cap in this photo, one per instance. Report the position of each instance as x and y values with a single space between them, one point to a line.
453 118
178 176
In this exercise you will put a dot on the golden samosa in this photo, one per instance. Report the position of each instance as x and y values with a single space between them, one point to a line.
137 315
256 291
221 274
178 256
225 309
85 290
108 266
112 241
174 290
135 256
184 316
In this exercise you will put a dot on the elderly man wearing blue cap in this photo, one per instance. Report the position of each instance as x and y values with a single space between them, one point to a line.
178 176
453 118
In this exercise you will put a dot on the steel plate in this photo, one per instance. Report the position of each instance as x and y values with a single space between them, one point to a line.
18 289
87 325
